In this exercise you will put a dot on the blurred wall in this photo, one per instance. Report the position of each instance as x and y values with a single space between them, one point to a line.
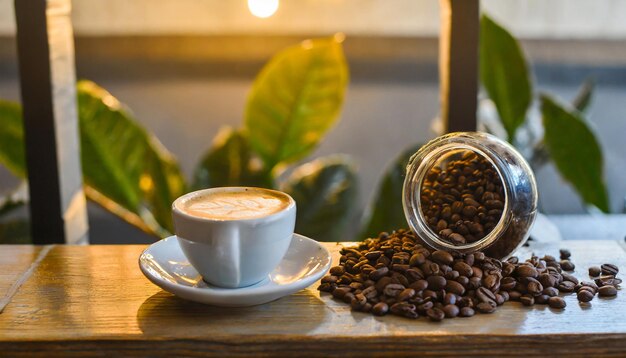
527 18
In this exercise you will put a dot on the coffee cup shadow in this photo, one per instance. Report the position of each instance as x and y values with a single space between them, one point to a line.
164 314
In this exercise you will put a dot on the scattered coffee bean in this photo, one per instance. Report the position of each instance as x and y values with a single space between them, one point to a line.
565 254
557 302
435 314
380 309
396 274
466 312
594 271
527 300
585 295
566 286
485 307
451 310
607 291
609 269
567 265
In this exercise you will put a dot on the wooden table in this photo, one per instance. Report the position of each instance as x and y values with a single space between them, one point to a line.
93 300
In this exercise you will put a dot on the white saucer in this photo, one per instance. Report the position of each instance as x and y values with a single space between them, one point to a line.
166 266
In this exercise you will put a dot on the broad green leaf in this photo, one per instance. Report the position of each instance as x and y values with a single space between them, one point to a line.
325 192
295 100
575 152
504 74
124 162
12 138
584 96
229 162
386 212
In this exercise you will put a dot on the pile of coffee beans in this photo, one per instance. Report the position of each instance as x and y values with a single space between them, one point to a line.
463 201
395 273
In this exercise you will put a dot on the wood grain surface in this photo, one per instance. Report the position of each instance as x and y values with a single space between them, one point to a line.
94 301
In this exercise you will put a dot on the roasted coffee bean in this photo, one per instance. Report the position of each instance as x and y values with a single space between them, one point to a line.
607 280
449 299
550 291
436 282
326 287
594 271
450 310
565 254
607 291
466 312
589 284
485 307
348 297
382 283
404 309
567 265
370 292
609 269
455 288
339 292
379 273
337 270
527 300
380 309
463 268
417 259
533 286
585 295
435 314
542 299
330 279
547 280
393 289
514 295
526 271
419 285
485 295
406 295
557 302
358 301
570 278
566 286
442 257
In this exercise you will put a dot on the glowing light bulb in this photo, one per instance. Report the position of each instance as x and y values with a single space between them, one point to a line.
263 8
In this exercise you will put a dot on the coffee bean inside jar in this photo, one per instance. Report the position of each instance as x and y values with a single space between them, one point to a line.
470 191
462 197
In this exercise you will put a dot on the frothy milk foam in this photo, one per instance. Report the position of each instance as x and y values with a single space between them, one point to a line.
234 205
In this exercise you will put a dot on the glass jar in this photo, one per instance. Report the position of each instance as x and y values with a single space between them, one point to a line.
470 191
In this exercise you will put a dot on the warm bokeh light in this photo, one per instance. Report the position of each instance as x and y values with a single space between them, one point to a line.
263 8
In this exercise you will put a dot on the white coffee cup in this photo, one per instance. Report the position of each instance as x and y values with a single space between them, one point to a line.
231 238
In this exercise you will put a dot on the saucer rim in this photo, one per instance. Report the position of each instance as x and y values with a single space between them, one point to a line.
249 291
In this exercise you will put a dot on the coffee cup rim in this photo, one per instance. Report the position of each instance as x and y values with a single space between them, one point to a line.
178 211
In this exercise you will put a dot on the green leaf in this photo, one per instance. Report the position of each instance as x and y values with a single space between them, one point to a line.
124 162
229 162
325 192
504 74
575 151
386 212
12 138
295 100
584 96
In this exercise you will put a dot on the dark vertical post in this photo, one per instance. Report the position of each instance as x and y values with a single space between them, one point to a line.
48 86
458 64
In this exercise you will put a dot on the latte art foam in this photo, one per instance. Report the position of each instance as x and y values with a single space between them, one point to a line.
236 205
